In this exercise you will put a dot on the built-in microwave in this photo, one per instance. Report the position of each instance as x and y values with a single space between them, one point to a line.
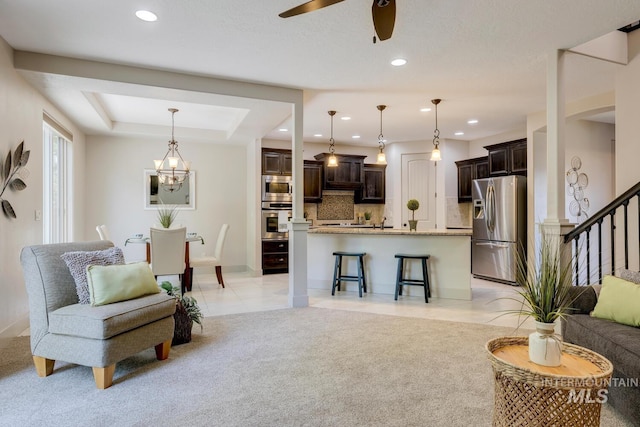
277 188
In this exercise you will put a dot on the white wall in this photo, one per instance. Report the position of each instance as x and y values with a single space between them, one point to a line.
627 133
117 201
21 109
593 143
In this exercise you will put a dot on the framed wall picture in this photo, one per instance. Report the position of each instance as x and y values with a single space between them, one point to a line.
155 196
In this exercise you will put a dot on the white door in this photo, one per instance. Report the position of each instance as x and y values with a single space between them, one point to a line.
418 183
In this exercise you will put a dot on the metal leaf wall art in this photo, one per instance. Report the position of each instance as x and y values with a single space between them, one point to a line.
10 173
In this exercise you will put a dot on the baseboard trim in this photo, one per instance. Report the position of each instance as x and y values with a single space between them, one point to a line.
14 330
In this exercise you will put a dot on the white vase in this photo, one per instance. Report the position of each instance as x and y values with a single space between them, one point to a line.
544 347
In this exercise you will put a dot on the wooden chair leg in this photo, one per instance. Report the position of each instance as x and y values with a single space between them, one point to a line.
44 367
219 275
162 350
104 376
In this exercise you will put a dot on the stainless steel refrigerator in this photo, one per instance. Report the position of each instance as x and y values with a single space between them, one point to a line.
499 227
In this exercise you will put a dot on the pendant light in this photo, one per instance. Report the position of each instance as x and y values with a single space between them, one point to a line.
333 160
435 154
382 158
170 177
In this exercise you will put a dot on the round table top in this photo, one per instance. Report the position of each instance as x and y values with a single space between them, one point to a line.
577 362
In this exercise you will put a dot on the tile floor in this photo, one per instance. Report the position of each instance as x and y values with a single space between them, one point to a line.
244 293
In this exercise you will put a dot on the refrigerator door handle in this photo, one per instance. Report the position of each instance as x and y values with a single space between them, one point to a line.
491 208
494 245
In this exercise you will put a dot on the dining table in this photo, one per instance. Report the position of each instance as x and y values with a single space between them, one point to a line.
186 276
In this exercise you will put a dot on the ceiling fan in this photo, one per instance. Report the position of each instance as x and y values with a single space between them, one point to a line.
383 11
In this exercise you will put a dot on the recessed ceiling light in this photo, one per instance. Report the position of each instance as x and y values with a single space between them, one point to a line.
146 15
345 118
425 109
459 133
318 135
283 130
398 62
472 121
356 137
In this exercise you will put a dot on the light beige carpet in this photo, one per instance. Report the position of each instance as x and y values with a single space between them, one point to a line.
292 367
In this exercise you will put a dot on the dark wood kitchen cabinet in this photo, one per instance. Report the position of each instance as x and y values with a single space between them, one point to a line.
276 161
313 181
275 256
373 187
508 158
348 175
468 170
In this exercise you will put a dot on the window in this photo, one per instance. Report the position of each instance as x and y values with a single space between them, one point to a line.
56 174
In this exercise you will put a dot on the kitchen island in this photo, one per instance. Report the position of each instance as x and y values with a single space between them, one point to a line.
449 263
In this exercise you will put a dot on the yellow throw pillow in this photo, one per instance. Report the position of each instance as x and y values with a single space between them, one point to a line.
619 301
113 283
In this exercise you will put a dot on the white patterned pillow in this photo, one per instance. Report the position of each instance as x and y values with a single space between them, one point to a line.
78 261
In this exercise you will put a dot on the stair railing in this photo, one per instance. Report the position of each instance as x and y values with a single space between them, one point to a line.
584 229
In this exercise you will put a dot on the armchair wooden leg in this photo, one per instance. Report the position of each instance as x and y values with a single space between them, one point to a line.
44 367
219 275
104 376
162 350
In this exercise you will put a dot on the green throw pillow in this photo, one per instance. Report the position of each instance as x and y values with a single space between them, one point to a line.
619 301
113 283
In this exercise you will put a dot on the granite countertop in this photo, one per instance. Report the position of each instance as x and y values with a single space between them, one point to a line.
390 231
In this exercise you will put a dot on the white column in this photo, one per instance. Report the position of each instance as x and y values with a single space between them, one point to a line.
298 226
555 138
555 224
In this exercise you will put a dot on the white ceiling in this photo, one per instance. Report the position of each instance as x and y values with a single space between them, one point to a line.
485 58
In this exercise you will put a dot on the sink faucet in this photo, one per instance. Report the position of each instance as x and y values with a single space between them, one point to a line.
384 218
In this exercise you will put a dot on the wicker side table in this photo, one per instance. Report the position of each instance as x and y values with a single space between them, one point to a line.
527 394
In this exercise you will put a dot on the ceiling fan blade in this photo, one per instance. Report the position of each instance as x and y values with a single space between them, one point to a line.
309 6
384 17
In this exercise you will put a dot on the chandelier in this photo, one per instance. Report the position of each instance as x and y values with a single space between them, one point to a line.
382 158
435 154
172 170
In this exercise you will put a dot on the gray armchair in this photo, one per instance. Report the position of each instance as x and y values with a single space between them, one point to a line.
63 329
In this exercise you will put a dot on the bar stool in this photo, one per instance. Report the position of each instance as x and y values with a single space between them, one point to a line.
400 280
339 277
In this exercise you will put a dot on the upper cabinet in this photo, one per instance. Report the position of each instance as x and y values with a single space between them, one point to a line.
508 158
276 161
313 181
468 170
373 188
348 175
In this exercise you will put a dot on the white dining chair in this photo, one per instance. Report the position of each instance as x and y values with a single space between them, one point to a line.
103 232
168 252
212 261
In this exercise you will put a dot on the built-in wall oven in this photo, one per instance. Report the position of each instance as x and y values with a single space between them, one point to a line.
275 217
277 188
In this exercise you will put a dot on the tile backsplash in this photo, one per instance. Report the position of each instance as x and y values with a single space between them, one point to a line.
338 206
458 215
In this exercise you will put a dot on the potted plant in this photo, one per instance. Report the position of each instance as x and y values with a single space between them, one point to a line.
367 217
187 312
546 297
167 214
413 205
